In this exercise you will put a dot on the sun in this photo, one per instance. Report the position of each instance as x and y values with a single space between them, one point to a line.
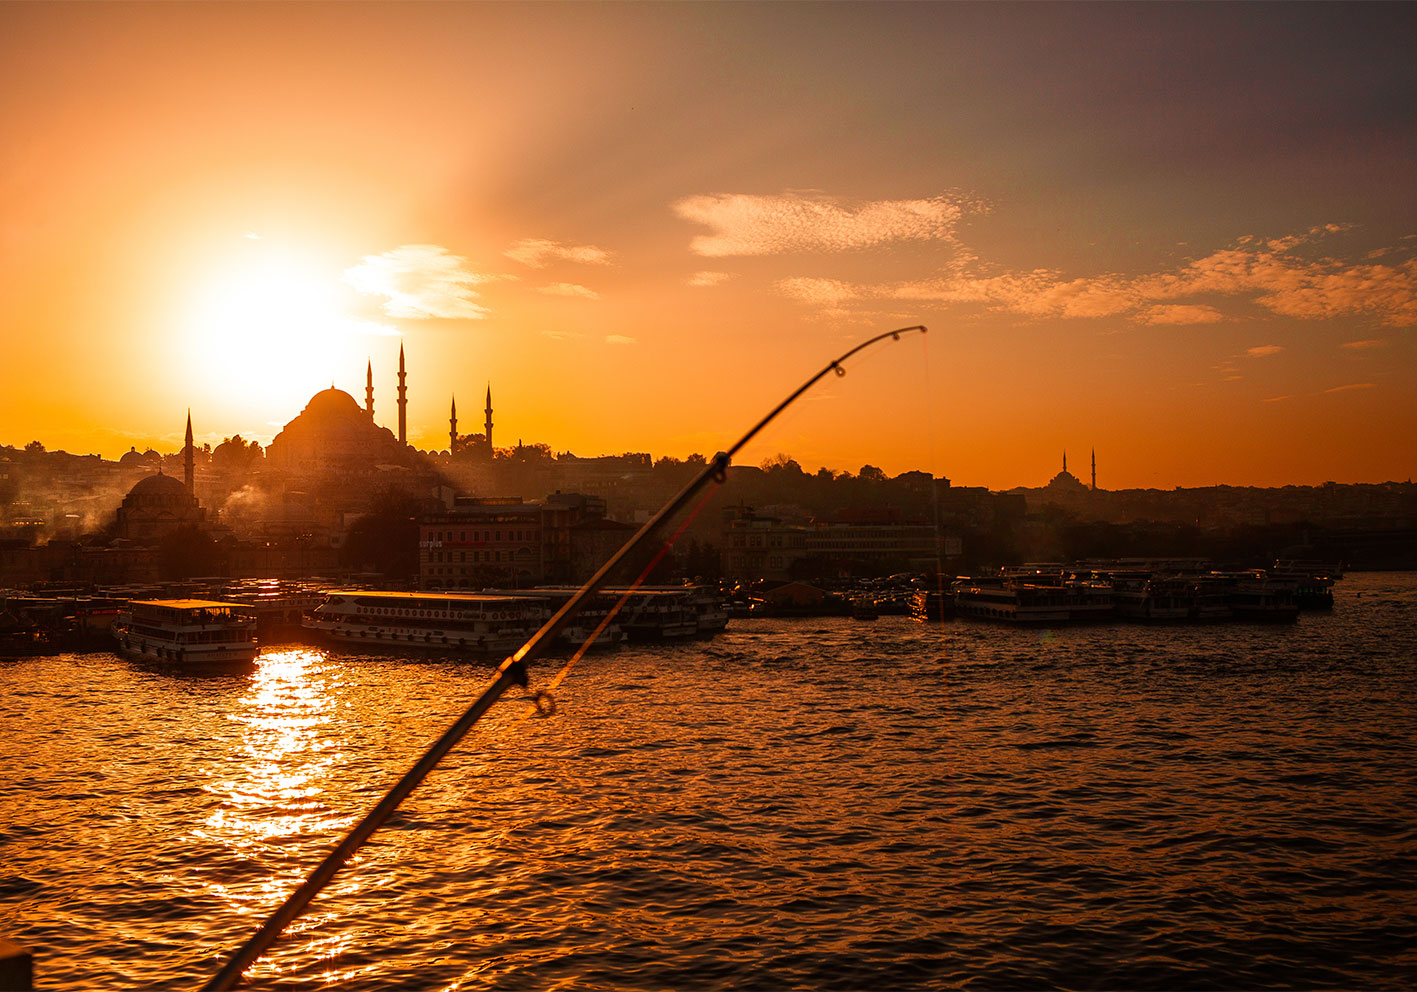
268 328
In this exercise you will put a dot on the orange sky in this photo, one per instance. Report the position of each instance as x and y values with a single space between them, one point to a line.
1183 236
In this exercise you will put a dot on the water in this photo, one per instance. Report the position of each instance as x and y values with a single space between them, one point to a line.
798 804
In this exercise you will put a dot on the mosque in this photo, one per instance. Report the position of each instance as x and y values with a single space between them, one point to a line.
159 504
333 435
1065 483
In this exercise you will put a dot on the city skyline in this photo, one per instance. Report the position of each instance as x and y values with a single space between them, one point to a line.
1183 237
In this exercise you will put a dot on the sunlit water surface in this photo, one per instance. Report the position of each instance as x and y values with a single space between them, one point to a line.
797 804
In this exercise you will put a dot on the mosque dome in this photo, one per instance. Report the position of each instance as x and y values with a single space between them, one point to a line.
334 434
156 506
159 487
332 402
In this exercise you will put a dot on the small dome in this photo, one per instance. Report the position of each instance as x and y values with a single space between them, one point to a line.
158 485
131 458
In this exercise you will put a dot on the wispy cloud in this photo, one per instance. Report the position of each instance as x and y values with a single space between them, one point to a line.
1363 345
1264 350
420 281
746 224
1278 399
618 339
705 279
569 289
820 292
1354 385
539 252
1180 313
563 335
1275 274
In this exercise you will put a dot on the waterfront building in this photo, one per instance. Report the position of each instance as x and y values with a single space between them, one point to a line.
481 541
759 546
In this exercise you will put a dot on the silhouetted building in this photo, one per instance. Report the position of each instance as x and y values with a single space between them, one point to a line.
333 435
155 507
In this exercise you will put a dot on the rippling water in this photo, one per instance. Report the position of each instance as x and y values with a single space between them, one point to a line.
797 804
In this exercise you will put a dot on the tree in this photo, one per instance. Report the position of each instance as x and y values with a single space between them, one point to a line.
34 447
781 462
870 473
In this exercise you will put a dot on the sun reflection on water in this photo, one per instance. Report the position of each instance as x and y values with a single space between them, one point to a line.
271 800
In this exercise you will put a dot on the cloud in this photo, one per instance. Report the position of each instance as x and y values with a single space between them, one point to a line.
819 292
1264 350
569 289
618 339
1176 313
706 279
745 224
538 252
563 335
1360 345
1275 275
1277 399
1354 385
420 281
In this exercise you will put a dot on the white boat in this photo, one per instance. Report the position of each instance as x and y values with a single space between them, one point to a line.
444 621
1143 596
186 632
1253 595
1010 600
650 613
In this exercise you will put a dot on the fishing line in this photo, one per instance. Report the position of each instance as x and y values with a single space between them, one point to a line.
543 704
934 496
512 671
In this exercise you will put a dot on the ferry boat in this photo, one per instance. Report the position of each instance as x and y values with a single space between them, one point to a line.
1254 595
1313 581
651 613
186 632
1010 600
477 623
1143 596
1033 595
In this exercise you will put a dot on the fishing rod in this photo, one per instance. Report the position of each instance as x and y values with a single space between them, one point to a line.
512 671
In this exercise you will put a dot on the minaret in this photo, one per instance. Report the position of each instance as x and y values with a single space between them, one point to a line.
188 470
453 427
1065 461
403 401
1094 470
489 420
369 391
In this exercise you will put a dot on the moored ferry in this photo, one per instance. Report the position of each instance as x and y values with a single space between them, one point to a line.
1010 600
1144 596
650 613
186 632
472 622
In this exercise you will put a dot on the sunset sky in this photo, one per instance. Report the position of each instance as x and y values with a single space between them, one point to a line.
1185 236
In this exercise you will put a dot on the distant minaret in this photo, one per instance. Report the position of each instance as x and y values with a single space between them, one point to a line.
453 428
489 419
369 391
188 470
403 401
1094 470
1065 462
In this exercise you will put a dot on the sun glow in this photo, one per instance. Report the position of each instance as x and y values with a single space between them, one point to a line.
270 329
